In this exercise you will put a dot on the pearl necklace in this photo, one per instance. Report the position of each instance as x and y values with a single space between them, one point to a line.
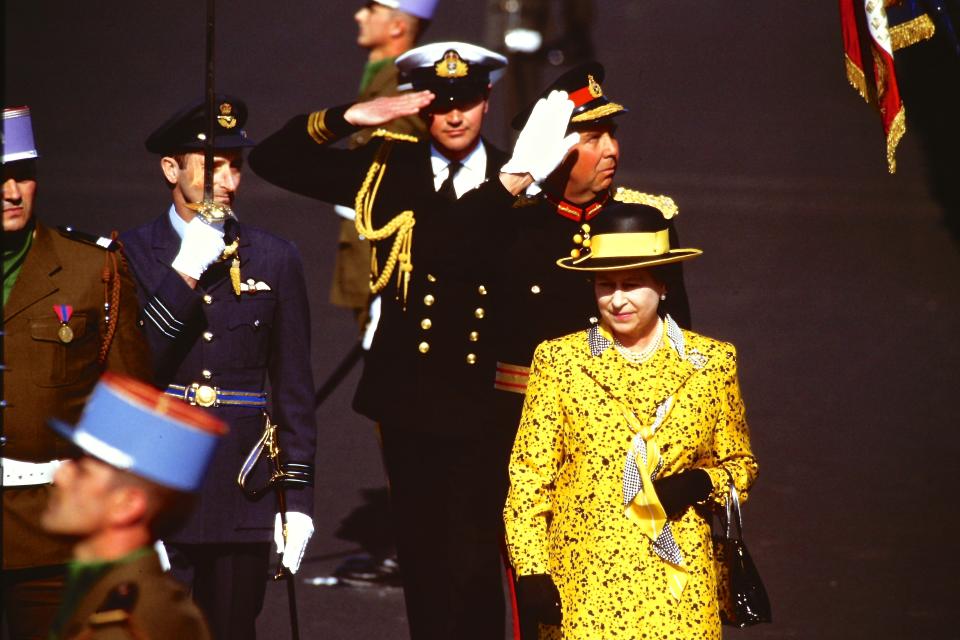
639 357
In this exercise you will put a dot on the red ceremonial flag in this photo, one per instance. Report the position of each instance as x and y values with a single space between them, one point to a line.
887 93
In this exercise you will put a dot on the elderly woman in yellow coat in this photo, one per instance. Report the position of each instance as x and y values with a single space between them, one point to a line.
632 432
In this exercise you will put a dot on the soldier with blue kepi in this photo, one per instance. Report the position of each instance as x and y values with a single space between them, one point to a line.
223 310
69 314
143 458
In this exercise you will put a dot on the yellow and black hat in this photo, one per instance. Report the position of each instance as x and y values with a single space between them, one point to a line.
582 84
186 129
629 234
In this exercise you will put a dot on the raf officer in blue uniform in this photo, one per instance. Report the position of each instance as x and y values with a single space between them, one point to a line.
218 328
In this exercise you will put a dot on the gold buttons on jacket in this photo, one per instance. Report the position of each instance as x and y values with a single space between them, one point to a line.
208 336
471 358
431 278
479 313
429 299
424 347
207 298
426 323
207 374
474 336
482 290
535 289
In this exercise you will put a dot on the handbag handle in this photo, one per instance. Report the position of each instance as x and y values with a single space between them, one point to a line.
733 510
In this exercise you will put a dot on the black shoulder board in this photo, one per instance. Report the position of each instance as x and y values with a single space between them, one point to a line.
88 238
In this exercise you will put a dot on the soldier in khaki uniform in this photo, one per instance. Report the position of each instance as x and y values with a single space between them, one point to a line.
386 30
143 457
69 313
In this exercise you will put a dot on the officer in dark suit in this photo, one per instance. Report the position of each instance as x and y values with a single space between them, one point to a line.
429 364
218 329
69 313
143 457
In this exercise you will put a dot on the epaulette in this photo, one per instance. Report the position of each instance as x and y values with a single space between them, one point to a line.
88 238
116 607
665 204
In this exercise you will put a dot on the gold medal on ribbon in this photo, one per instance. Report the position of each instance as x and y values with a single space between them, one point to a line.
64 312
65 333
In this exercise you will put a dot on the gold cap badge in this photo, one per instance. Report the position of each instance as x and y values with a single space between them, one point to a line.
594 87
452 66
226 119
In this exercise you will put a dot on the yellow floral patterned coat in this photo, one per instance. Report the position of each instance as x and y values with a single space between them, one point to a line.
565 512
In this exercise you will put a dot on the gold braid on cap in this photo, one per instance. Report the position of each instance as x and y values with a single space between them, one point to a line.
402 224
665 204
600 112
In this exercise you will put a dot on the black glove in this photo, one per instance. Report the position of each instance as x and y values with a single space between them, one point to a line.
538 598
679 491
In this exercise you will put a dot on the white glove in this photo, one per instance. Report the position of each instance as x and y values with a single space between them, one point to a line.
299 530
541 146
201 246
162 555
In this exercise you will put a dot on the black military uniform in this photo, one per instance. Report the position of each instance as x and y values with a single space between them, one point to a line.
215 348
429 369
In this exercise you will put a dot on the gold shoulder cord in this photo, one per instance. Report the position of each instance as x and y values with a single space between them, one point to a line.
402 224
665 204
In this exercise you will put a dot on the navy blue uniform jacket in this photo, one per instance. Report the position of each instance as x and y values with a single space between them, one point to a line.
240 341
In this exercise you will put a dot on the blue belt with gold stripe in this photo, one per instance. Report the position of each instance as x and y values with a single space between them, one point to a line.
204 395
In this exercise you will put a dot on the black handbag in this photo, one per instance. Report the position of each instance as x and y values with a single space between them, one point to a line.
740 591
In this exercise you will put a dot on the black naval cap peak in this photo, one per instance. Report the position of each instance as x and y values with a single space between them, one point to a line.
186 129
583 86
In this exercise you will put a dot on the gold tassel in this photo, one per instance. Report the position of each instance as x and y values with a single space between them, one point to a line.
400 226
235 275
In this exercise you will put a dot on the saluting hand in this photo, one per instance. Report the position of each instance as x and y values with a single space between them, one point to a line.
378 111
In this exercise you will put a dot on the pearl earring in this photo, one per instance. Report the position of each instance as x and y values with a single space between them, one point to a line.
663 297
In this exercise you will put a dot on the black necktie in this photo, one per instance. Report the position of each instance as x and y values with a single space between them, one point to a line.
446 189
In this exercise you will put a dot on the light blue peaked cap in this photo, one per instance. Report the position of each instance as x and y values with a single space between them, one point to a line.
134 427
422 9
18 135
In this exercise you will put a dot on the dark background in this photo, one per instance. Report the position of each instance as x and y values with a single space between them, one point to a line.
837 281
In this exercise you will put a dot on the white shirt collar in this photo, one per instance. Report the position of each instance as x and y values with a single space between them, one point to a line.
470 176
178 224
181 227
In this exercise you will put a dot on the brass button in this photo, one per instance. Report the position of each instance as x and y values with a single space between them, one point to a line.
424 347
471 358
208 336
431 278
256 323
535 289
482 290
207 374
474 336
429 299
479 313
205 396
207 298
141 323
426 323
